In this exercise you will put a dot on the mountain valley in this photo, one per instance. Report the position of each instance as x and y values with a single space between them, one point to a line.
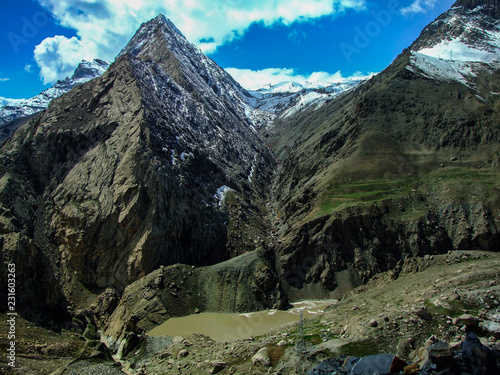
158 187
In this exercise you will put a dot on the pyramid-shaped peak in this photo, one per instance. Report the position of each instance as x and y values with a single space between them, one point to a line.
158 28
159 42
160 19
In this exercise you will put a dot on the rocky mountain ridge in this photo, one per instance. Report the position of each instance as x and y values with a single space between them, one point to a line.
17 109
459 45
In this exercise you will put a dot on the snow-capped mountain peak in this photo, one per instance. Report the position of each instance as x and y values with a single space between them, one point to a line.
286 86
287 98
12 109
462 34
90 69
459 43
159 40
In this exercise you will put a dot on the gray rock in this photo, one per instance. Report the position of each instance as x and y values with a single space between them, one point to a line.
261 358
216 366
440 354
378 364
465 320
421 311
491 328
480 359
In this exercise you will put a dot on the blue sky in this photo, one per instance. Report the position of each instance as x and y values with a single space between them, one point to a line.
259 41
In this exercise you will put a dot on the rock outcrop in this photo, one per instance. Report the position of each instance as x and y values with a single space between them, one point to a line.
245 283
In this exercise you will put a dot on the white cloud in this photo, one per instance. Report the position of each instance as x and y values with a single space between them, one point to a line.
28 68
419 6
58 56
104 27
254 79
4 79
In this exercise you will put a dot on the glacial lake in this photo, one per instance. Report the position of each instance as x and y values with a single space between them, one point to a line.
225 327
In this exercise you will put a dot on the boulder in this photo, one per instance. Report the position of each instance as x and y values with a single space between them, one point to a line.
467 320
349 364
421 312
330 366
215 367
440 355
182 353
478 357
378 364
420 357
491 328
261 357
412 369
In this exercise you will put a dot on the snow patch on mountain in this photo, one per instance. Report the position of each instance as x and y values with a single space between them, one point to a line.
288 87
10 102
457 50
444 70
221 193
457 46
465 35
305 100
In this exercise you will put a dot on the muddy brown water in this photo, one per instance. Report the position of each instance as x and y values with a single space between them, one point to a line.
225 327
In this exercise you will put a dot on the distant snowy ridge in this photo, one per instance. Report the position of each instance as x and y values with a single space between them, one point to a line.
287 98
10 102
12 109
294 87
